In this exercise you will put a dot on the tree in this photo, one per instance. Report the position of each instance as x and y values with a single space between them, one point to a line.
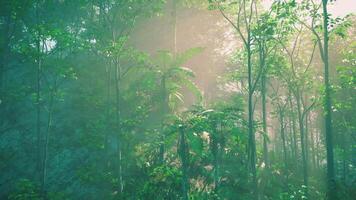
172 77
321 26
87 114
243 26
328 123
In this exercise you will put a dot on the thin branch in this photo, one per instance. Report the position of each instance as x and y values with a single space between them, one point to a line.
311 58
309 108
318 38
236 26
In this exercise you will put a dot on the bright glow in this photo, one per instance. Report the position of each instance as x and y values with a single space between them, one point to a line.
337 8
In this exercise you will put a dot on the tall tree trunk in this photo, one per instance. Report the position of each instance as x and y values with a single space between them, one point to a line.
38 94
281 117
306 135
174 24
247 40
331 192
312 144
108 106
165 105
294 131
108 161
264 119
262 59
165 111
117 63
46 142
302 140
118 126
292 138
38 111
252 144
344 157
317 153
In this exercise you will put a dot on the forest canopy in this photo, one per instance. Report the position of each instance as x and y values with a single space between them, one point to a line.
177 99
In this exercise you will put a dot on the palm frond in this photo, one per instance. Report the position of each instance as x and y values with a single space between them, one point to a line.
192 87
182 72
182 58
175 99
163 60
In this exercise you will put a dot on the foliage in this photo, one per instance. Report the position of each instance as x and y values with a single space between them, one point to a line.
87 114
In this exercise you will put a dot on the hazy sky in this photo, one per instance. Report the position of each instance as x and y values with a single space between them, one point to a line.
203 28
339 8
342 7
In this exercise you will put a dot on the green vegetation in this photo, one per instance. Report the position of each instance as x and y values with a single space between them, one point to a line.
86 113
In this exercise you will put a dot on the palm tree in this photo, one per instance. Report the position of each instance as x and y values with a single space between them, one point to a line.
173 77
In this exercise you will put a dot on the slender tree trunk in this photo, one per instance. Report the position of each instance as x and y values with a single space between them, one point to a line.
165 105
294 132
174 24
163 81
117 63
317 140
108 106
344 157
108 161
331 192
264 119
38 95
264 127
165 111
306 135
252 144
281 117
292 139
46 144
118 126
312 143
38 111
262 57
302 140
